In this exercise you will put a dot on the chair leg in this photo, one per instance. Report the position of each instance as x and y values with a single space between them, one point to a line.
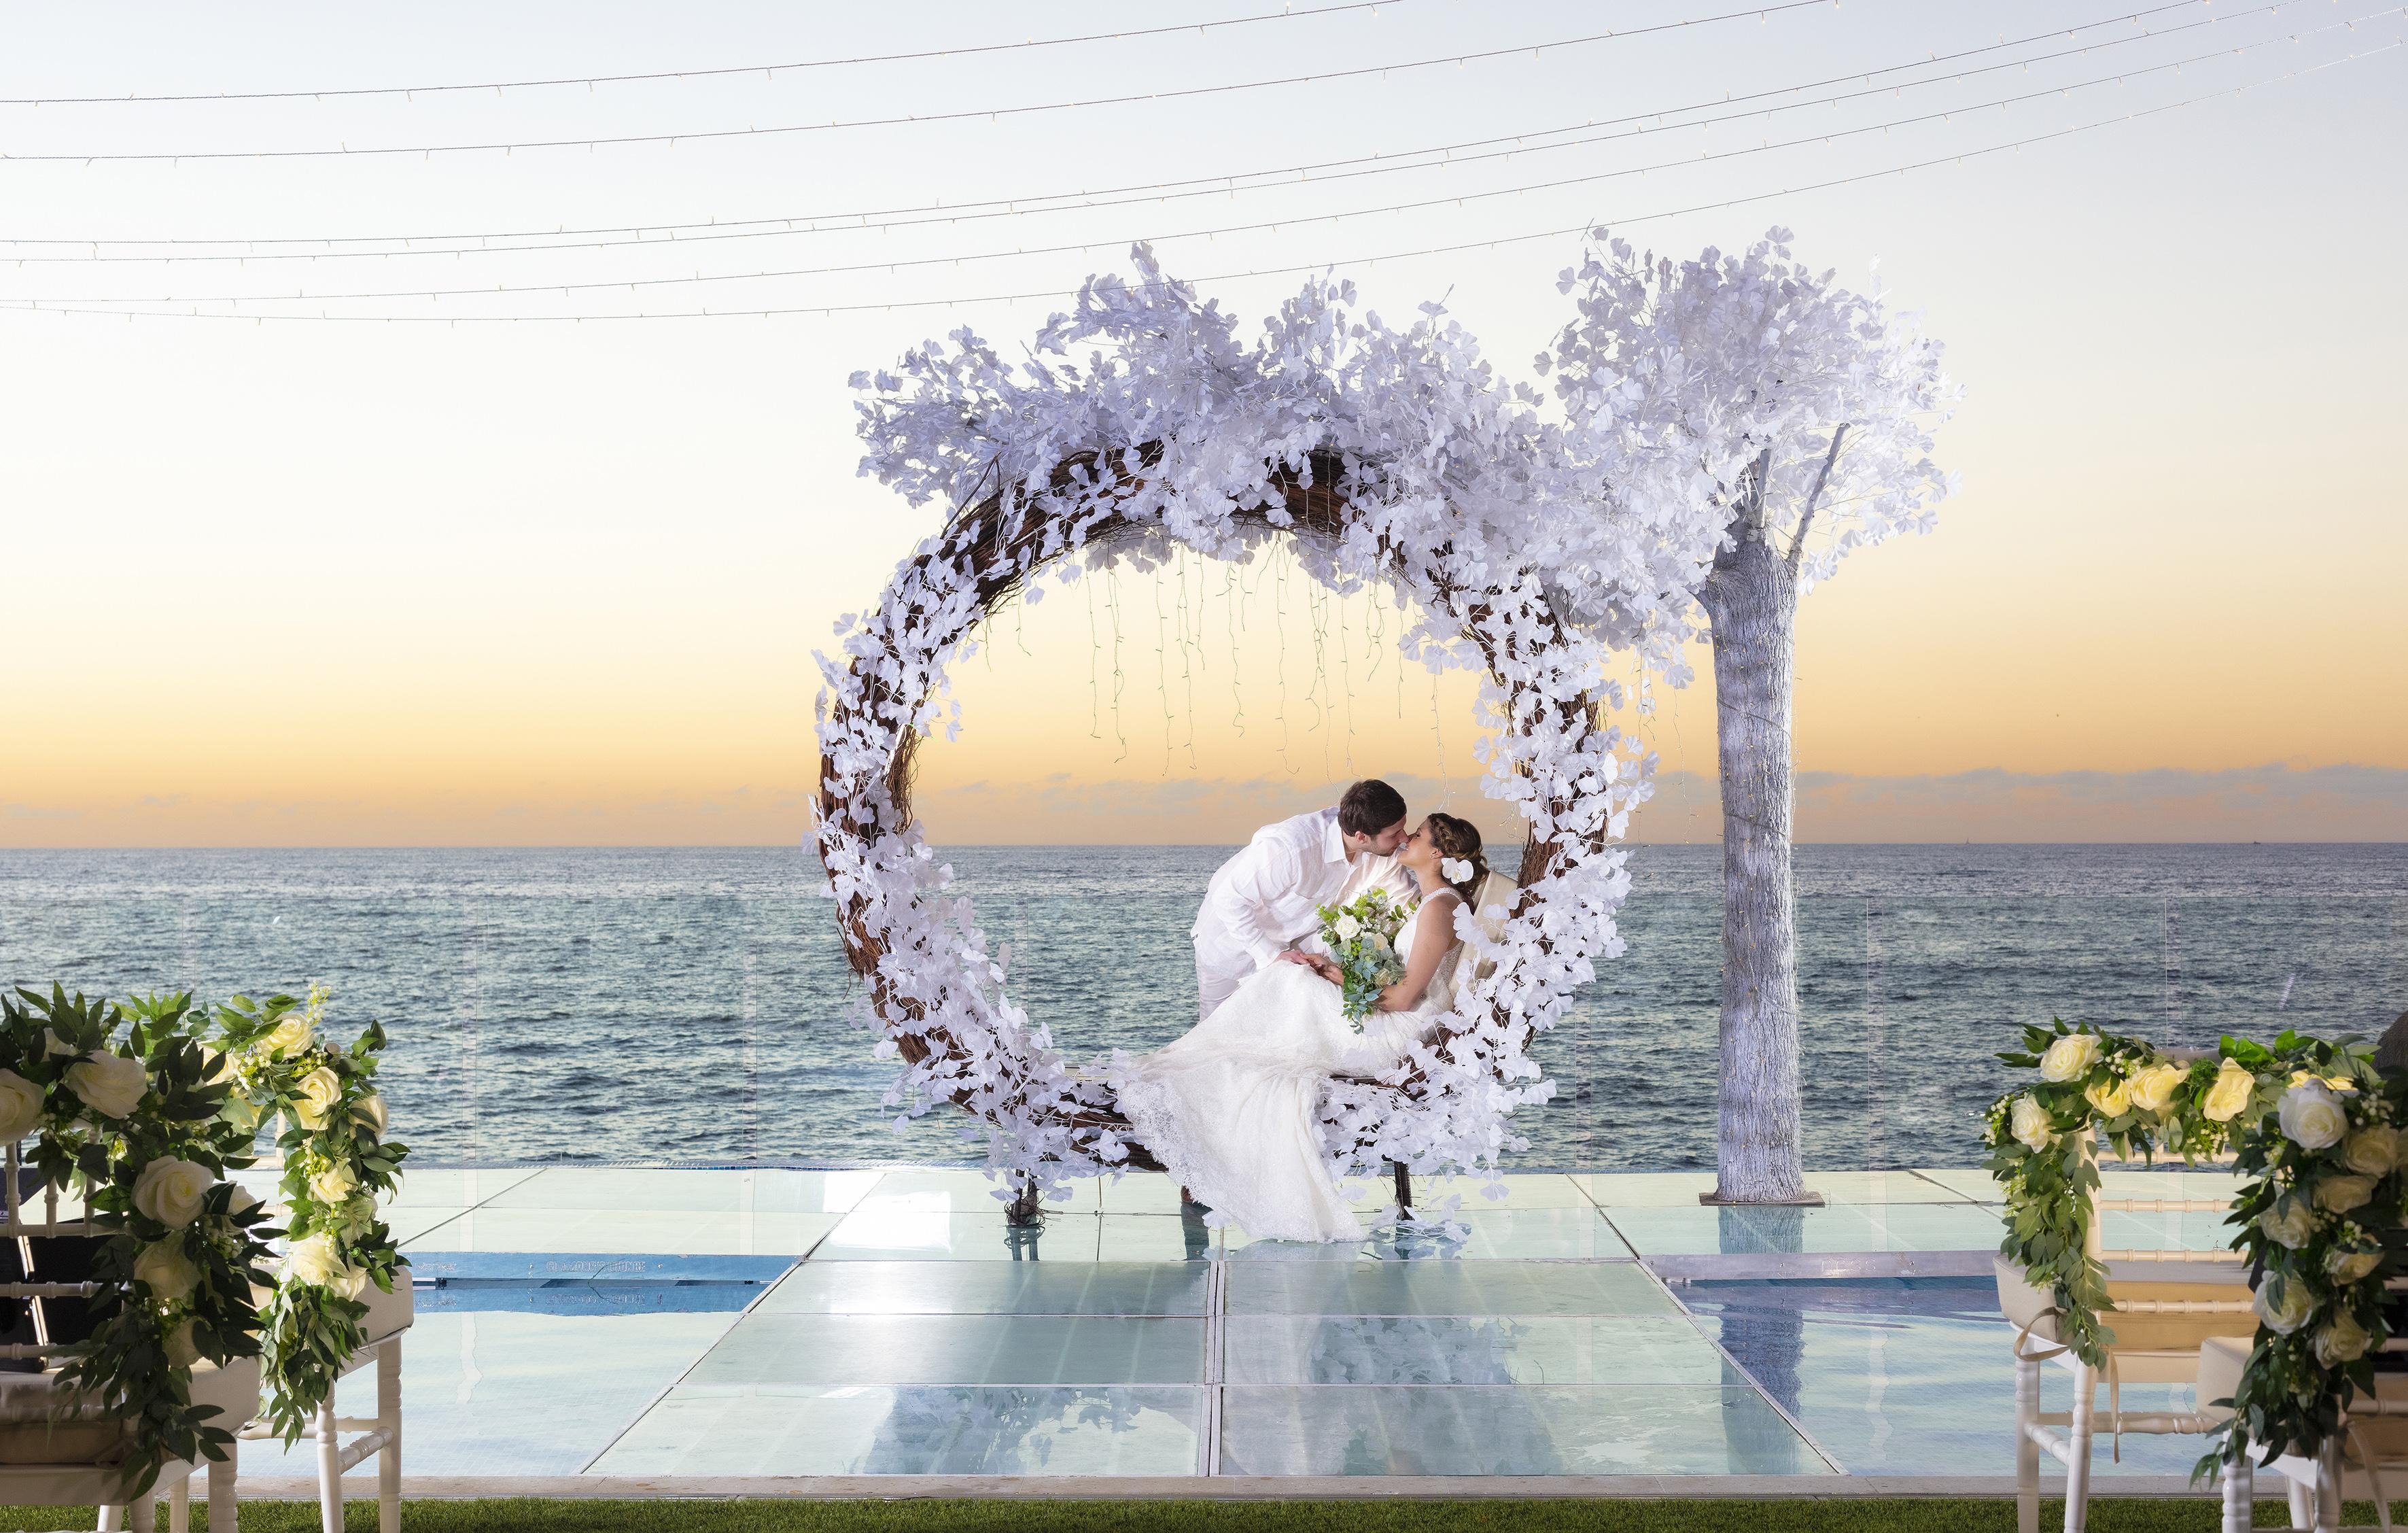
2027 1451
179 1505
112 1519
2303 1503
142 1514
2329 1487
2077 1441
330 1468
222 1475
2239 1496
389 1421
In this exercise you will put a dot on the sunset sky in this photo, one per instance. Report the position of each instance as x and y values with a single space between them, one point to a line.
308 582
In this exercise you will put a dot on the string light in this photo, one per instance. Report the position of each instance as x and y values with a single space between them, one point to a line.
1083 247
766 70
887 219
81 306
987 114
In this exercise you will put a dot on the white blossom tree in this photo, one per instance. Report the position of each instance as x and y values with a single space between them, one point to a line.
1788 421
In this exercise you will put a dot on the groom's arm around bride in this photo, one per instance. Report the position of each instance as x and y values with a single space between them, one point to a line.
1267 898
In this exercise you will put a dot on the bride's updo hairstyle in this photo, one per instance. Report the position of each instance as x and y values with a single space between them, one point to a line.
1459 839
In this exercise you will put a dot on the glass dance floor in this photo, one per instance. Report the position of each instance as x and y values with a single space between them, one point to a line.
743 1323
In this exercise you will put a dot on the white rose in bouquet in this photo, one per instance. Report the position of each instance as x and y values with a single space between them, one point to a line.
2312 1116
2228 1092
169 1272
2154 1088
291 1036
110 1084
20 1107
2341 1340
2340 1194
2348 1267
183 1346
2112 1099
170 1190
1348 927
2069 1058
316 1261
2289 1223
2372 1151
2292 1312
333 1184
314 1094
2029 1124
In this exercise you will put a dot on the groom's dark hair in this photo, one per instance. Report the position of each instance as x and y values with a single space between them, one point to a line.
1368 808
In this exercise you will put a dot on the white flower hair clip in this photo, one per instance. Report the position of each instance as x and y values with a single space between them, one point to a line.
1455 869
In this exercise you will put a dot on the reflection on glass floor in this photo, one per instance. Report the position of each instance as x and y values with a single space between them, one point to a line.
778 1321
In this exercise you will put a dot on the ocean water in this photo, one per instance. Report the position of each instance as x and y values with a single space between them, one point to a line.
615 1003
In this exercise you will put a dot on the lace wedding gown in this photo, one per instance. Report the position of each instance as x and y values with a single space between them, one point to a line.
1232 1109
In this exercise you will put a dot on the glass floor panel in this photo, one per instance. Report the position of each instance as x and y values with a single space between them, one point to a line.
1535 1431
1909 1375
644 1321
1469 1350
1445 1288
979 1288
828 1349
792 1429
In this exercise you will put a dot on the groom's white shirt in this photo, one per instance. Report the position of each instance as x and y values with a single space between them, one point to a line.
1269 895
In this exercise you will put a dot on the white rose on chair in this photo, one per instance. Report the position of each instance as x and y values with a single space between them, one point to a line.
316 1261
333 1184
314 1094
2312 1116
369 1110
169 1272
2031 1125
20 1107
170 1191
291 1036
110 1084
2340 1194
2348 1267
183 1347
2343 1340
2069 1058
2292 1312
2154 1087
2228 1092
2372 1151
2289 1224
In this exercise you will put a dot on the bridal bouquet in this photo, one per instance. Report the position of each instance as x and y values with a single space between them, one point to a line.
1362 936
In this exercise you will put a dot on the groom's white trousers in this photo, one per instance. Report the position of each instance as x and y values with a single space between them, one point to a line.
1221 967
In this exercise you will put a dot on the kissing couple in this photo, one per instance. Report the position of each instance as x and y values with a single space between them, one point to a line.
1232 1109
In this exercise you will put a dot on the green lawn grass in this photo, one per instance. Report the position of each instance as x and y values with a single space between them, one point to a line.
2107 1515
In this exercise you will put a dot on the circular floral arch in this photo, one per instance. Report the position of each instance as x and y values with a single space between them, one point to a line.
1384 470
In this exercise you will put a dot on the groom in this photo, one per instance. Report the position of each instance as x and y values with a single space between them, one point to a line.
1265 898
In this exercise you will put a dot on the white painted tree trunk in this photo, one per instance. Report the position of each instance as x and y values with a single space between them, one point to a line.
1751 601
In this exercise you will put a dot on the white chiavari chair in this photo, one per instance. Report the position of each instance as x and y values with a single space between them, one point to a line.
54 1451
2368 1460
2165 1304
379 1437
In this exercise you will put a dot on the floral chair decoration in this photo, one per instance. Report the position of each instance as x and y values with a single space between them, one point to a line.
142 1349
344 1299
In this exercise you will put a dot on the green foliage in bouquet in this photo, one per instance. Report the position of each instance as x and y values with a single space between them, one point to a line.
338 1162
135 1128
1362 936
2322 1223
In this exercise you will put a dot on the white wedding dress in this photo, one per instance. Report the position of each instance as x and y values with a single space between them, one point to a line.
1232 1109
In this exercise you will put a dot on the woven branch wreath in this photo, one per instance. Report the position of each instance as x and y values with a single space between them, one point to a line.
1390 460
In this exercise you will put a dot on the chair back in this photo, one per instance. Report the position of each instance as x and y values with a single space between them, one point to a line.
52 1267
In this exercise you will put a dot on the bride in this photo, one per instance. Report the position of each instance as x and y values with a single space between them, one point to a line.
1232 1110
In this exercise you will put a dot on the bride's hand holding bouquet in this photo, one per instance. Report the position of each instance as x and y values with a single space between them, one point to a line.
1361 936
